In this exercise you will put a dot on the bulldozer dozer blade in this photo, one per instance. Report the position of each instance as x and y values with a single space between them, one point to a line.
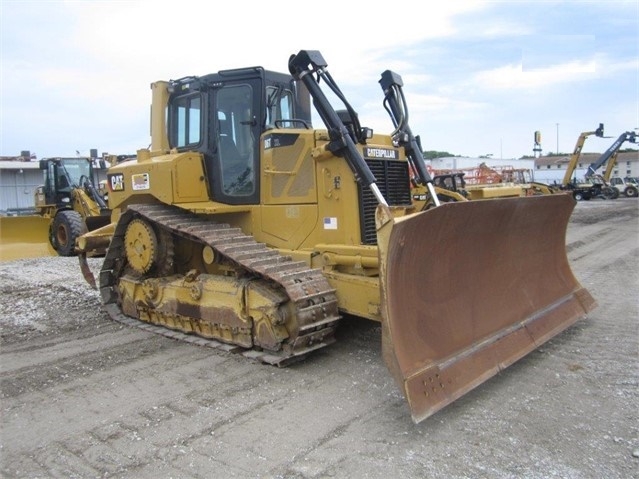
469 288
24 237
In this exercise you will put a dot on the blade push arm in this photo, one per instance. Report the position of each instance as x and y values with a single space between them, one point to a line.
395 104
302 66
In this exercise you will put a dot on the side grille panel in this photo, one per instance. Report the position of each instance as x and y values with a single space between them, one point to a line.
394 184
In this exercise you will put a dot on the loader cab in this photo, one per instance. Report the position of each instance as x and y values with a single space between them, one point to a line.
61 176
452 182
224 115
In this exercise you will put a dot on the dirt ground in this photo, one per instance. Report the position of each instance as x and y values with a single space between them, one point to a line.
86 397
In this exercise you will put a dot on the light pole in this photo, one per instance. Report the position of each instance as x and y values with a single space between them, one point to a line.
557 138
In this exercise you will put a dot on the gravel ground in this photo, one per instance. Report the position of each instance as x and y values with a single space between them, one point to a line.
83 396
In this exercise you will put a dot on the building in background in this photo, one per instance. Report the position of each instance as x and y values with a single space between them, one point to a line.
485 170
20 176
551 169
462 162
18 182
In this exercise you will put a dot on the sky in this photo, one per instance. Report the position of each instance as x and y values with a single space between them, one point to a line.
480 77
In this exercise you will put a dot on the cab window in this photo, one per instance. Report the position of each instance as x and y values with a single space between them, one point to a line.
187 119
236 140
279 106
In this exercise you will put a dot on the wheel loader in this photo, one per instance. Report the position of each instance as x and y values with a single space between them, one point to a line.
244 226
67 205
71 201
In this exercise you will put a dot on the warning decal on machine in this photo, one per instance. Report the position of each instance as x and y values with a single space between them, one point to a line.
330 223
140 182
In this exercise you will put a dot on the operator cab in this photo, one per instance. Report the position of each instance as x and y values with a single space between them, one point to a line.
61 176
223 116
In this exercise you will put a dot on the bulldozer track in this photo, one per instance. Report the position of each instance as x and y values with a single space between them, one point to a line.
314 299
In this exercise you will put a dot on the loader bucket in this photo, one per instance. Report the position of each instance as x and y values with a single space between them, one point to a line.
24 237
469 288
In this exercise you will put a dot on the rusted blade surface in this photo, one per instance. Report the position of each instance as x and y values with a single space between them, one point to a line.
468 288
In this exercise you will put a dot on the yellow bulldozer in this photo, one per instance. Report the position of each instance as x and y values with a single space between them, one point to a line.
246 227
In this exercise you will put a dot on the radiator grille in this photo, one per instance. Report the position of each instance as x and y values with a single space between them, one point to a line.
394 184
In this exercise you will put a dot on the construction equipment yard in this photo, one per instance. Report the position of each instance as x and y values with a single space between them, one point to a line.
84 396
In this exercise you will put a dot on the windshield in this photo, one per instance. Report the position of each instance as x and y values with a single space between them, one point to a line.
76 168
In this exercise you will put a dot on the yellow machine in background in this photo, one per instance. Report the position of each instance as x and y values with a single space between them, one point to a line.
244 225
595 187
67 206
70 201
609 159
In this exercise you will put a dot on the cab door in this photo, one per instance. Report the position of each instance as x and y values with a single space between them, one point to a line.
235 140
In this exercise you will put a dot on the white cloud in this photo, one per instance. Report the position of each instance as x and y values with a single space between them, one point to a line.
190 37
514 77
80 71
501 29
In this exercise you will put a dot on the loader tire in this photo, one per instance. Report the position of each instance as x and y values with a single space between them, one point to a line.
67 227
578 196
631 192
610 193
